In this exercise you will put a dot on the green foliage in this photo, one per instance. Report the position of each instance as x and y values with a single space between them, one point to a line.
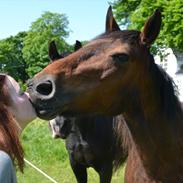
50 26
123 10
173 24
133 14
50 156
11 58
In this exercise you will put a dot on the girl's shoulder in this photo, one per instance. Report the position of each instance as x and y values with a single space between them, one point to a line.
7 170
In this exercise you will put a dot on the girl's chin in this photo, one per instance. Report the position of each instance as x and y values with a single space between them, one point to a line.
28 106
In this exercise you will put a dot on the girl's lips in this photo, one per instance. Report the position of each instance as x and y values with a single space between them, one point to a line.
28 96
26 93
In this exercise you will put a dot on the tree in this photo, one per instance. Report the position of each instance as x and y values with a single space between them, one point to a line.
123 10
11 58
50 26
133 13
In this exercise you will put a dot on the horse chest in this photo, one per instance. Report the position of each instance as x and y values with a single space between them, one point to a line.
81 151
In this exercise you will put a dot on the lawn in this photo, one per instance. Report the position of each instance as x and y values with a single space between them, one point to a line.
51 157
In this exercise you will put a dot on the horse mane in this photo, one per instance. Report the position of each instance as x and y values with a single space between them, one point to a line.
123 141
170 106
9 132
168 91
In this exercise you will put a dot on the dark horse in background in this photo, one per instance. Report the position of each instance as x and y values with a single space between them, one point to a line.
91 141
115 73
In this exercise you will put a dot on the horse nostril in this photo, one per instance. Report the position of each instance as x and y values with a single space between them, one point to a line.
44 88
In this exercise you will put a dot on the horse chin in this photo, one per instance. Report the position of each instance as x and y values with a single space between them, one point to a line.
49 113
45 114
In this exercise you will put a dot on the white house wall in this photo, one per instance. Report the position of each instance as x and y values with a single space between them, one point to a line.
171 66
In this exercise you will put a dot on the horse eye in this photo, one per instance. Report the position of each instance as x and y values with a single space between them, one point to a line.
120 57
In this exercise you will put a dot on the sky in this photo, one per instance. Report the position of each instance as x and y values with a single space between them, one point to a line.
86 17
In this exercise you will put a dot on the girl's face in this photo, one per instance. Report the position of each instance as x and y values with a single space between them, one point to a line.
20 105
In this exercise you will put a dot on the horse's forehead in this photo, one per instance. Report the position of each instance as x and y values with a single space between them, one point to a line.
107 47
102 48
99 42
118 47
105 43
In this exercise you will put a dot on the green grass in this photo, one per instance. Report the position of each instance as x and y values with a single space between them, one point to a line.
51 157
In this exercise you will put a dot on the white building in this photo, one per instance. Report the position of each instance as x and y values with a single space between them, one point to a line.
172 66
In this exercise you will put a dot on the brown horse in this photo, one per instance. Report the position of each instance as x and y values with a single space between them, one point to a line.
116 73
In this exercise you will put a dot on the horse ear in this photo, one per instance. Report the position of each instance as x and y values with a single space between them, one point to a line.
111 24
77 45
52 51
151 29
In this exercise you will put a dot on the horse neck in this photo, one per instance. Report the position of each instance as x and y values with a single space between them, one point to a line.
156 126
92 127
84 126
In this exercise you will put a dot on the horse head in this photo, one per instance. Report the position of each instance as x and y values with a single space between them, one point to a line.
100 77
60 127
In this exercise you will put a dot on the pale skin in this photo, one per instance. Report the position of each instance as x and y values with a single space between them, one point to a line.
20 106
